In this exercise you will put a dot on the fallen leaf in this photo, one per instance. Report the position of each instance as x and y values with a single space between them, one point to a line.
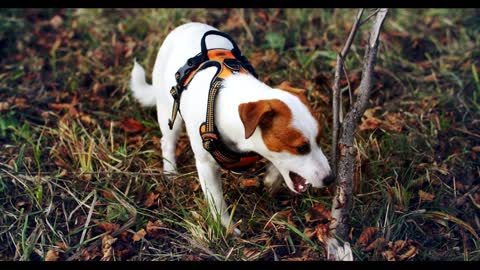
393 122
398 246
410 253
425 196
87 120
290 219
62 245
248 182
139 235
370 123
108 227
107 194
376 245
366 236
309 232
107 249
135 139
323 232
153 229
21 103
151 197
52 256
4 106
389 255
317 213
130 125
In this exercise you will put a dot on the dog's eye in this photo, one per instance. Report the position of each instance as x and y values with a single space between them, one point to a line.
303 149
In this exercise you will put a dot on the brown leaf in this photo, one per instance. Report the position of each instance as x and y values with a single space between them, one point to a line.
153 228
130 125
290 219
398 246
248 182
309 232
376 245
323 232
52 256
87 120
21 103
410 253
139 235
107 249
135 139
474 149
108 227
366 236
62 245
151 197
182 146
425 196
317 213
4 106
394 122
107 194
370 123
389 255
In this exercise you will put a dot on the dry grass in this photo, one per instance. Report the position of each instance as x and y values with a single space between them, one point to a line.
72 171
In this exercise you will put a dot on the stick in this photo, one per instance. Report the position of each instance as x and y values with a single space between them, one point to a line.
336 89
342 202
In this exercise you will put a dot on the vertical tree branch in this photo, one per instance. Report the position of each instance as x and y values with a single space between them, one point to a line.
342 201
336 89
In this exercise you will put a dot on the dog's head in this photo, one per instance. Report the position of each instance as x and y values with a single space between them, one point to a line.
285 132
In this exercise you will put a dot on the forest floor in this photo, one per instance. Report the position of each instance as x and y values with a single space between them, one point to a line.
80 159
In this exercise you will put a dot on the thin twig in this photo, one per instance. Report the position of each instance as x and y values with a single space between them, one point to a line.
336 90
342 201
345 72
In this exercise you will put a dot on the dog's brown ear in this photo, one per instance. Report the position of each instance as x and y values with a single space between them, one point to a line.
252 113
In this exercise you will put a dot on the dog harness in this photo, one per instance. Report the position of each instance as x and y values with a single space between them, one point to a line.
227 62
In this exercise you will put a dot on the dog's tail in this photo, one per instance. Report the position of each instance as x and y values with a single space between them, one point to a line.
142 91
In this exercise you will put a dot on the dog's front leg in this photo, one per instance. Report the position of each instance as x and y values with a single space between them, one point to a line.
273 179
211 183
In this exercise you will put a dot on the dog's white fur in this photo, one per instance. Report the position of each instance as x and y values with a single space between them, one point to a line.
183 43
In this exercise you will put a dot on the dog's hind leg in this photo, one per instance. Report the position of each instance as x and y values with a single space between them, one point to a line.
273 179
169 138
211 183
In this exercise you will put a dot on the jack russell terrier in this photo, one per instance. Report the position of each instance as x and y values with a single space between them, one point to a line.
232 119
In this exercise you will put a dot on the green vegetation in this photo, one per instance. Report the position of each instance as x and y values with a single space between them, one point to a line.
80 159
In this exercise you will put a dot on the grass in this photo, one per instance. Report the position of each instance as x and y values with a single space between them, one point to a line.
70 172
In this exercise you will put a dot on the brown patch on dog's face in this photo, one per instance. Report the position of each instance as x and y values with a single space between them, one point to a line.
274 118
301 94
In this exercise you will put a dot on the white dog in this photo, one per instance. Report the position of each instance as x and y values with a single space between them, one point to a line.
249 117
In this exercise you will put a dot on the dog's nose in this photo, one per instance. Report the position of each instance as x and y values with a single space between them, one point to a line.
328 180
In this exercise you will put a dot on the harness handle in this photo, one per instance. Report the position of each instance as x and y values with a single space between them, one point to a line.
235 51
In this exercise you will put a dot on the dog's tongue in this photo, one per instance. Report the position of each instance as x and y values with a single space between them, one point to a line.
299 183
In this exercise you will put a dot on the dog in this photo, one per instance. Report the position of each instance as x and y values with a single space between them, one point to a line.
250 117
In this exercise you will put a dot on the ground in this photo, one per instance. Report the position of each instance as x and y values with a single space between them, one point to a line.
81 168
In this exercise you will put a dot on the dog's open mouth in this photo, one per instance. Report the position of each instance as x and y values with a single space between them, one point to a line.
299 183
